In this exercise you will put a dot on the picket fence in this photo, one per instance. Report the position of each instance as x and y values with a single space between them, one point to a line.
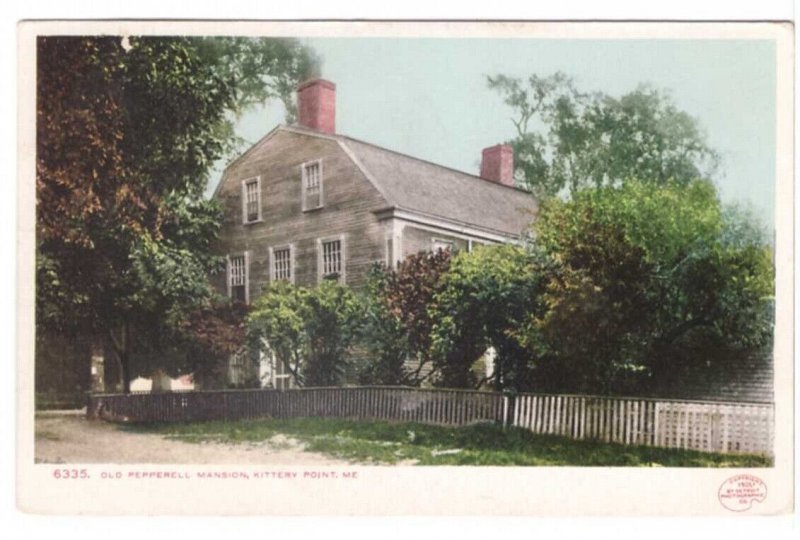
695 425
430 406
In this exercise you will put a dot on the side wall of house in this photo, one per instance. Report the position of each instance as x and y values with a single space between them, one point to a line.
349 203
416 239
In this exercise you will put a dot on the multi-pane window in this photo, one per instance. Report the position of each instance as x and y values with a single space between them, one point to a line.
331 259
312 185
237 278
251 200
282 264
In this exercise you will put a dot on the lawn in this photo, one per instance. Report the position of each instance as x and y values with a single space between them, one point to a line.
380 442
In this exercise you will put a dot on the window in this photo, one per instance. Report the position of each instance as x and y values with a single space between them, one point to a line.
251 200
440 244
331 259
237 368
237 278
312 185
282 263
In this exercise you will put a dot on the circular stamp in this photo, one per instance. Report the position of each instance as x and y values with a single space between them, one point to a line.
738 493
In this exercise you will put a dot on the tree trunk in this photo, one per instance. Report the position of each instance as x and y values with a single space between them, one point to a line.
126 373
122 351
125 358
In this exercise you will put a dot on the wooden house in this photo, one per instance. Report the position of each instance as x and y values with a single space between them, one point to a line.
306 203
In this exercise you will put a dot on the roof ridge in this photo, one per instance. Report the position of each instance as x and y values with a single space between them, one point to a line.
409 156
339 136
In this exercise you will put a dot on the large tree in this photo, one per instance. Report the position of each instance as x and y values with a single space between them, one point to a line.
641 274
127 131
568 139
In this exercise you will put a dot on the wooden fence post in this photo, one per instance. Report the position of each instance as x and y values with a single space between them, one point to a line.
510 408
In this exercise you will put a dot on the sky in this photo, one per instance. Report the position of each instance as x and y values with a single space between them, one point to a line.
428 97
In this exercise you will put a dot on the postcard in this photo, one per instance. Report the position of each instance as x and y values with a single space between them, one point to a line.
405 268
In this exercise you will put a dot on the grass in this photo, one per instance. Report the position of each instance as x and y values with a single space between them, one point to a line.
391 442
47 435
49 401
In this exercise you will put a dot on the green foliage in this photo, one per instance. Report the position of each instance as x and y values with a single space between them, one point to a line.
127 131
479 304
333 322
276 324
310 331
637 273
568 139
399 324
262 68
384 335
211 334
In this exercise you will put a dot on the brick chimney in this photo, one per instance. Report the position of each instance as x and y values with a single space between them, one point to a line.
316 105
497 164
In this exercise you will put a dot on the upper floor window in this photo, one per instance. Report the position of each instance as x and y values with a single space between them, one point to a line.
251 200
238 279
282 263
312 185
331 259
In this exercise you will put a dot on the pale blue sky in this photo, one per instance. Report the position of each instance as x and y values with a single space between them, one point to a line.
428 97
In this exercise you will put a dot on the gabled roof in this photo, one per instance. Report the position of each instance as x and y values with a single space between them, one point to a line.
415 185
420 186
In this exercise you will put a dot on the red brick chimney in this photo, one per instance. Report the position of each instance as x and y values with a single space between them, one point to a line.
497 164
316 105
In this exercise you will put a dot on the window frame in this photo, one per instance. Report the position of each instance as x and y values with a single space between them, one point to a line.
304 185
273 260
245 183
342 257
229 274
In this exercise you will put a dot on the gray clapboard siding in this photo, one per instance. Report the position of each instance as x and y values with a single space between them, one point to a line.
350 201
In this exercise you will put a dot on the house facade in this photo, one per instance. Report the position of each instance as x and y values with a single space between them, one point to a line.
306 204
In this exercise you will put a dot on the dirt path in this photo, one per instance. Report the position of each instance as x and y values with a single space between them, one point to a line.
67 437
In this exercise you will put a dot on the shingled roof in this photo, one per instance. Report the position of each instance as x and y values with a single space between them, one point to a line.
423 187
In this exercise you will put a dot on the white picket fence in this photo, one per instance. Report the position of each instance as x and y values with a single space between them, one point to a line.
694 425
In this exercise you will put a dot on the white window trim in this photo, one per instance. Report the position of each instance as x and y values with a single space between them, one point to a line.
342 274
304 204
244 199
246 255
272 251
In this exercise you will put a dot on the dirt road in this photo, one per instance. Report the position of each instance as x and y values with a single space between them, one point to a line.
67 437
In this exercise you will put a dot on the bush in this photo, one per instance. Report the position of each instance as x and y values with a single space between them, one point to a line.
309 330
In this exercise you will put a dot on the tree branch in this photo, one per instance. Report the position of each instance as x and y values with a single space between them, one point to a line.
673 335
